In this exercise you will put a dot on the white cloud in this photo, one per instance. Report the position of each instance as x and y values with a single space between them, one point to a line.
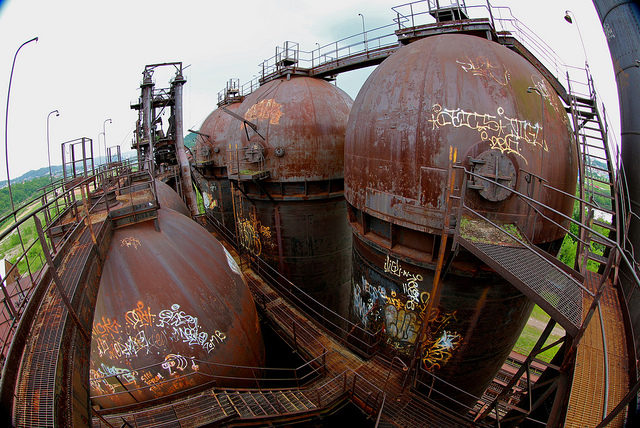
90 56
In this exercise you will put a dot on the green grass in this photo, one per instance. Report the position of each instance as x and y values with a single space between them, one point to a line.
531 334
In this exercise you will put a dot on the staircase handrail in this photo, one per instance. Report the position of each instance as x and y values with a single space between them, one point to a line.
610 242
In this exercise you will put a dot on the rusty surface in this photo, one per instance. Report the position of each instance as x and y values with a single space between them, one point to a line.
468 93
211 142
302 121
211 172
309 242
478 319
171 304
168 198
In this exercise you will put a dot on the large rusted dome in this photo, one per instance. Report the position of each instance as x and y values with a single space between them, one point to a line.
172 304
303 121
211 142
465 93
168 198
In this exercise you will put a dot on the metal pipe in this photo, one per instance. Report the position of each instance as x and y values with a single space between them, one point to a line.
187 185
147 89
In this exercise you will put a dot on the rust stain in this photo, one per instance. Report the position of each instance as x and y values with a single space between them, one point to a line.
265 110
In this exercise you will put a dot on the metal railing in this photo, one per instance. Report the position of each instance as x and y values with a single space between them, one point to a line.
323 395
58 206
234 376
350 334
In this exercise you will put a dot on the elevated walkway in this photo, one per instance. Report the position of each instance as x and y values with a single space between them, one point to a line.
600 375
376 385
534 274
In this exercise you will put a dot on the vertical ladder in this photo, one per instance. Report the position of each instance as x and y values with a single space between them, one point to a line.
598 178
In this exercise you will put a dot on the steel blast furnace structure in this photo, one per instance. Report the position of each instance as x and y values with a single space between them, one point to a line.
210 172
286 162
445 100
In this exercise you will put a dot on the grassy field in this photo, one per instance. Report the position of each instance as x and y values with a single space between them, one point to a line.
532 332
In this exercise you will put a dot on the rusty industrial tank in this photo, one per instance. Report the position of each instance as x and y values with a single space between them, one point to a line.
287 166
168 198
440 98
210 166
173 309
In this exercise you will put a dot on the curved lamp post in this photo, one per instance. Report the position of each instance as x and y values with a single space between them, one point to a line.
364 34
48 150
6 122
570 17
104 135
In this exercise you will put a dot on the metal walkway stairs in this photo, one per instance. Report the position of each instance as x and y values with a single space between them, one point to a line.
220 406
535 275
598 177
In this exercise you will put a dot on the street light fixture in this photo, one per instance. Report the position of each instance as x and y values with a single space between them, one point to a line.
104 135
6 123
570 17
364 34
48 150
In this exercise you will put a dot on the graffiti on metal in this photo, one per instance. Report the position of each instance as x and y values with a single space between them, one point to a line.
438 350
209 201
482 67
265 110
399 310
253 235
504 133
185 328
142 331
130 242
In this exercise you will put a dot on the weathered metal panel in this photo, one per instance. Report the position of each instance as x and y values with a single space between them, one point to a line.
168 198
170 303
309 242
463 92
478 320
303 121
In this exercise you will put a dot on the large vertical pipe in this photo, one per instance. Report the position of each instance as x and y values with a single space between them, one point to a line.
621 23
147 91
187 185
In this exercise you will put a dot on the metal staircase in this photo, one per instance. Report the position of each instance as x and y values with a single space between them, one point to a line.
598 178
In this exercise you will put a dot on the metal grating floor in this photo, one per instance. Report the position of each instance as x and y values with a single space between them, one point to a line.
35 395
590 400
545 284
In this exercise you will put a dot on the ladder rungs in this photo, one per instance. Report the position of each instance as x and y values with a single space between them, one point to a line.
605 225
596 257
599 180
604 195
602 241
598 168
595 157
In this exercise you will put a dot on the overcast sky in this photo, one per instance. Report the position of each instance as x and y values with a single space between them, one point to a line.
90 56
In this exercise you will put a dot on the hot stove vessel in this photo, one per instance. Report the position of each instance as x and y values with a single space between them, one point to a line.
442 102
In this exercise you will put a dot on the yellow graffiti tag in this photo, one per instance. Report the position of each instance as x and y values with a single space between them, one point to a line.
130 242
252 234
440 350
265 110
437 348
503 133
483 68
